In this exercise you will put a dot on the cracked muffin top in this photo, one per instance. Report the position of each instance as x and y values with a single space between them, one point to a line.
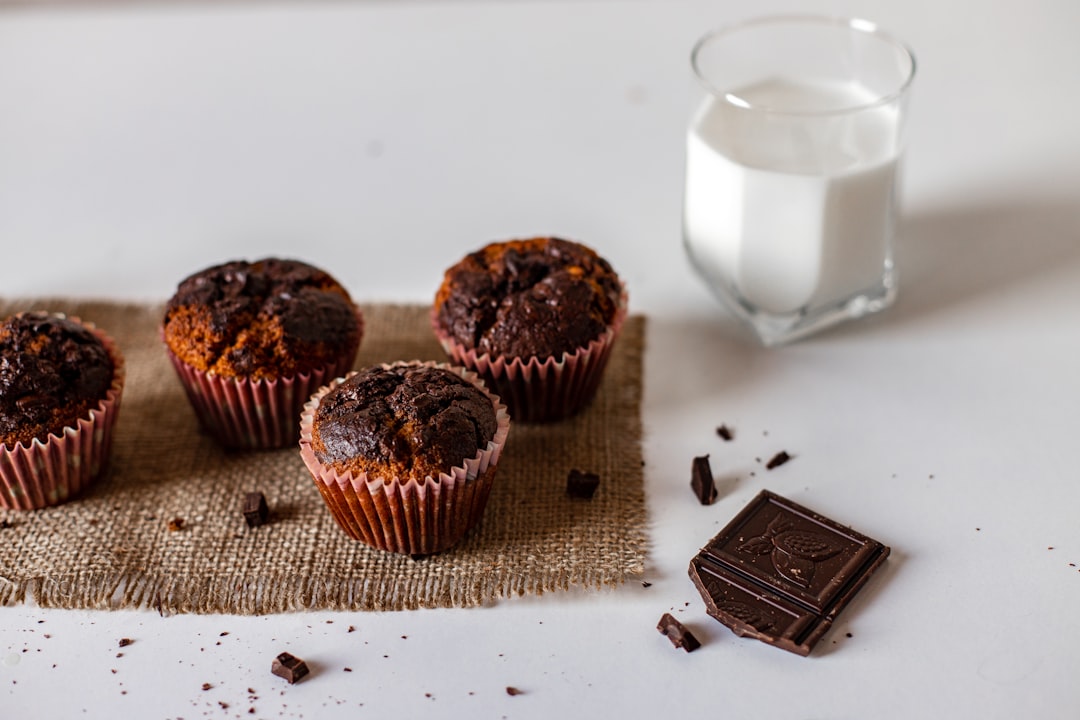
53 372
539 297
261 320
405 421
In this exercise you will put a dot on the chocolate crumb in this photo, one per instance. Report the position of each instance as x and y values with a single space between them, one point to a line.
725 432
511 691
290 667
677 633
223 633
176 524
255 509
777 460
581 484
124 642
701 480
6 524
224 705
351 629
207 686
848 635
347 669
646 583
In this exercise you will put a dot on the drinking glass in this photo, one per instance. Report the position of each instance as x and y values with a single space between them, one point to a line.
792 163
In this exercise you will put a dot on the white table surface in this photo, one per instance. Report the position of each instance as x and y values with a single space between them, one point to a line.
141 142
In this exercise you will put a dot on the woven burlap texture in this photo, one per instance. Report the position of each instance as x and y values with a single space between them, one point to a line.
113 546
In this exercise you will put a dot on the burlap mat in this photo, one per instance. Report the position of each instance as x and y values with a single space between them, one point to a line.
112 548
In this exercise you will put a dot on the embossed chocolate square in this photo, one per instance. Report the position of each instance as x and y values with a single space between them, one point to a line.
782 573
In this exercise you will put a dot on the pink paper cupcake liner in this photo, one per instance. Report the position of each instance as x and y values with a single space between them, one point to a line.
410 516
48 473
540 390
255 414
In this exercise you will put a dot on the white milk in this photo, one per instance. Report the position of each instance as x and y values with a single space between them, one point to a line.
791 212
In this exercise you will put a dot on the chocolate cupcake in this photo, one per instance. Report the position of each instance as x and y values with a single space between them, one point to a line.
536 319
251 341
60 385
404 455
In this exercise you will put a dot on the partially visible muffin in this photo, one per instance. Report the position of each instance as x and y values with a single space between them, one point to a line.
60 386
548 308
251 341
404 454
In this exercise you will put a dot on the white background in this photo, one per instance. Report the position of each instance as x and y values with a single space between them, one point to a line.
142 142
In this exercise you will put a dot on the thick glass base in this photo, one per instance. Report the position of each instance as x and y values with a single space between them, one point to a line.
774 329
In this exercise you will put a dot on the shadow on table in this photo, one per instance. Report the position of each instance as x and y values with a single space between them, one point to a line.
946 258
954 256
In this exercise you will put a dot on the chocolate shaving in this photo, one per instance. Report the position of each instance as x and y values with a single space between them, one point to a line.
701 480
582 484
677 633
290 667
725 432
255 509
777 460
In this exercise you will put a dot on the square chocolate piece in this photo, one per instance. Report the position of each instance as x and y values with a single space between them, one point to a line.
255 509
290 667
782 573
582 484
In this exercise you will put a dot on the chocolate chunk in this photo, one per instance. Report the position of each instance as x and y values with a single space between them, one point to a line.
701 480
777 460
725 432
782 573
289 667
255 510
677 633
582 484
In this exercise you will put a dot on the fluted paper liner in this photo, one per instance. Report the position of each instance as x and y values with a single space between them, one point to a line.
408 515
48 473
537 390
256 414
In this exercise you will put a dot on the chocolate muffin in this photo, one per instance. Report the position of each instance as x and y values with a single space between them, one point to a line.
540 297
404 454
251 341
261 320
402 421
60 386
536 318
52 372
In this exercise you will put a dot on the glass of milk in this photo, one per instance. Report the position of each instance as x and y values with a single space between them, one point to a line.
792 158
